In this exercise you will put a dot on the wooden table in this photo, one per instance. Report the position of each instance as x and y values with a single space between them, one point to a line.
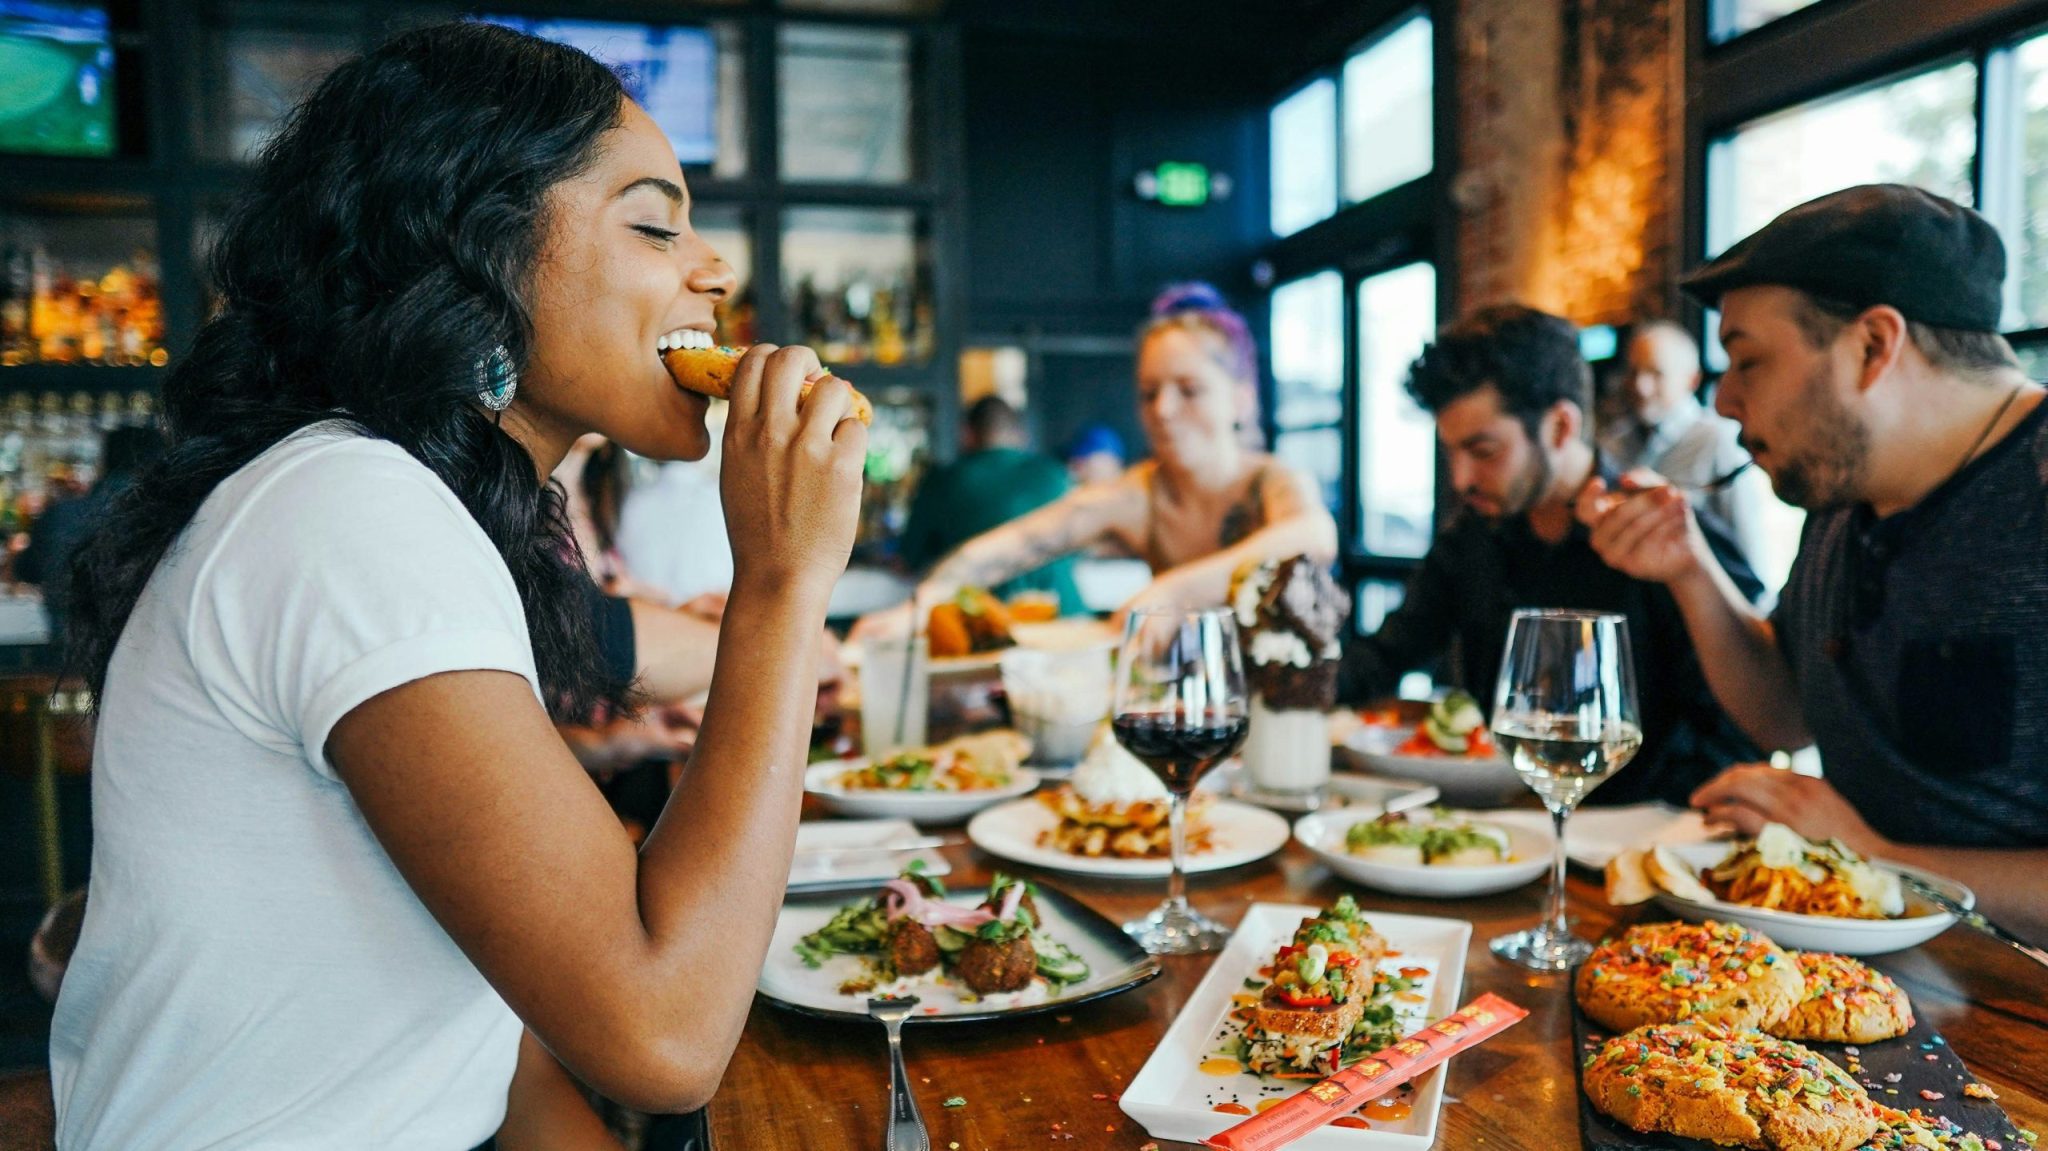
797 1082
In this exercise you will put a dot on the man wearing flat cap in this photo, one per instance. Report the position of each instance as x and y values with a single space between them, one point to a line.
1911 642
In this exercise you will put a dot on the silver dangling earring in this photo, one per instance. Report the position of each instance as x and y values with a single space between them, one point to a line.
496 379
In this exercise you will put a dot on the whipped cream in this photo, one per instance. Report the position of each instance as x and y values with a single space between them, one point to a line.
1108 774
1271 647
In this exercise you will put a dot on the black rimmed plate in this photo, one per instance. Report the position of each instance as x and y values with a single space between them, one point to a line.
1115 964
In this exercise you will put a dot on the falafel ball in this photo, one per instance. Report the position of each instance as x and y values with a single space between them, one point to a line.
991 966
912 950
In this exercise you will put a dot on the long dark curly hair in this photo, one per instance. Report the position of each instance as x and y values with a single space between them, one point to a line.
387 242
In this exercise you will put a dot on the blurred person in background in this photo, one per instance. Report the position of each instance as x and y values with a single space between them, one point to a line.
1202 506
1510 391
995 479
1667 430
1095 455
46 561
671 530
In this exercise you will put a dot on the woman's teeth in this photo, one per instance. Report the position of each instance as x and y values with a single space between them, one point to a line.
683 338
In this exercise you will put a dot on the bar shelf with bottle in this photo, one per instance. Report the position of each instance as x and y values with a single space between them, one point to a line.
79 291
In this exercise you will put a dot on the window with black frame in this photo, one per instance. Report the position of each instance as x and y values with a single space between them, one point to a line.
1308 376
1971 125
1728 19
1342 140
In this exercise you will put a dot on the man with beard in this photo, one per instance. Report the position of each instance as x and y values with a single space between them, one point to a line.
1872 387
1510 394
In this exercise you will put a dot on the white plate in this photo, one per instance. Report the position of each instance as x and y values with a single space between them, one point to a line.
1115 963
1323 834
1463 780
830 855
1596 835
1238 834
1921 923
821 780
1171 1095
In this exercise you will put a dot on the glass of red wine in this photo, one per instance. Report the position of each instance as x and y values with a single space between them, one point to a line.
1181 708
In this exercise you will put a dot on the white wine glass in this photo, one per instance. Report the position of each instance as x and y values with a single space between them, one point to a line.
1565 712
1181 708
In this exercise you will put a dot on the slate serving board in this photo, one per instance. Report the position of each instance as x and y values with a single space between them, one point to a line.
1907 1057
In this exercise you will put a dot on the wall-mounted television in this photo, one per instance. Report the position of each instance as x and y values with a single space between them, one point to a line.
671 70
56 79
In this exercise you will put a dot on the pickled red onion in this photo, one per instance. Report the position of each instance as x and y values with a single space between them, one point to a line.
902 898
1011 898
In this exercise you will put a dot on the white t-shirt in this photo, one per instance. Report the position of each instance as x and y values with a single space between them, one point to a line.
253 971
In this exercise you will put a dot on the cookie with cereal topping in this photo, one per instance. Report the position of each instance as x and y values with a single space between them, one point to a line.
1844 1002
1729 1086
1676 972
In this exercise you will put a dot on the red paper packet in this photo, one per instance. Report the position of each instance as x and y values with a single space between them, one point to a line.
1371 1077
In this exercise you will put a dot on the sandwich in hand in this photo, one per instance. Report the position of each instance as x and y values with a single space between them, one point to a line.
708 371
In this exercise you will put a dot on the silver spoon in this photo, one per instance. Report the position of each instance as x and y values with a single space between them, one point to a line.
906 1126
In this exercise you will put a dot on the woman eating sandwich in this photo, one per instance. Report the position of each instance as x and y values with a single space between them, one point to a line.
342 861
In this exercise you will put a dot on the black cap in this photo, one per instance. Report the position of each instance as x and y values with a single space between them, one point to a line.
1936 261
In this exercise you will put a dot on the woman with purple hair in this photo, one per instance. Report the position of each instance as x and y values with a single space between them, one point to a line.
1206 502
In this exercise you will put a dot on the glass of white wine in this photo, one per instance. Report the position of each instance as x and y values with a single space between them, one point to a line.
1565 712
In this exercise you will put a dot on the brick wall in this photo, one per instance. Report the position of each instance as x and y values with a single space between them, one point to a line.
1568 190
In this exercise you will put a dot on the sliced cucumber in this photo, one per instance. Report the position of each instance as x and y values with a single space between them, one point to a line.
1057 963
948 939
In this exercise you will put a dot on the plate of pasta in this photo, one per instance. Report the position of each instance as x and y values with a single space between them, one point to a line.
1808 895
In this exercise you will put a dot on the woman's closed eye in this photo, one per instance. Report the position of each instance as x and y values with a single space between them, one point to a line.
661 236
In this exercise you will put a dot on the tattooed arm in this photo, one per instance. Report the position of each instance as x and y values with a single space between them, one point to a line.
1294 523
1068 524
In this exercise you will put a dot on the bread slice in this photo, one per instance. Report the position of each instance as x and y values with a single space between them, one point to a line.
1673 874
1628 879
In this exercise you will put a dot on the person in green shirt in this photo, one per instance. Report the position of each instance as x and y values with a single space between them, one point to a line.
995 479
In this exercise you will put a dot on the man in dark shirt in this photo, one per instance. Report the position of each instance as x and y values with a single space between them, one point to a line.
1873 388
996 479
1510 393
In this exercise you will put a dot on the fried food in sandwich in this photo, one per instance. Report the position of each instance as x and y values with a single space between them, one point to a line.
708 372
1321 984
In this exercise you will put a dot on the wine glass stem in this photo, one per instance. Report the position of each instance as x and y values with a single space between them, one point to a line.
1557 928
1177 886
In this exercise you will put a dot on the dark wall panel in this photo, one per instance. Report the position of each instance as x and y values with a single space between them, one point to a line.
1059 245
1037 147
1055 132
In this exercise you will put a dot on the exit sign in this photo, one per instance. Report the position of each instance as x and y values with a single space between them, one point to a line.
1183 185
1177 184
